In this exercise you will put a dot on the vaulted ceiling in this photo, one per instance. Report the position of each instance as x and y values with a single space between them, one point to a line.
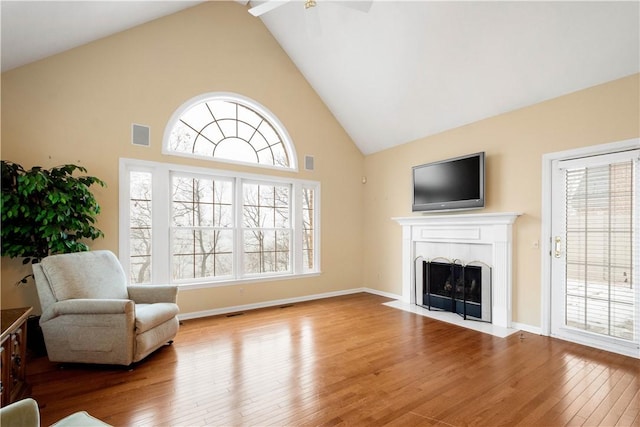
402 70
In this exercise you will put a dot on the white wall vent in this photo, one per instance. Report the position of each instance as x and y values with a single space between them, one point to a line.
308 163
140 135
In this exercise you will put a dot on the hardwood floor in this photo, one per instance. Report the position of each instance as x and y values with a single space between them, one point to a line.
348 361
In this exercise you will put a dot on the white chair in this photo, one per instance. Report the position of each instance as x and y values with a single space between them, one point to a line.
90 315
25 413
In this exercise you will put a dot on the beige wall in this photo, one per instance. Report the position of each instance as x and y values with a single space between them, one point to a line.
514 144
78 107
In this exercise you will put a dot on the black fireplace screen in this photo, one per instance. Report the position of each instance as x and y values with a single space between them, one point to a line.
452 286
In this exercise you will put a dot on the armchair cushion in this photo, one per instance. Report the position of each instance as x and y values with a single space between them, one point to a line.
151 315
95 275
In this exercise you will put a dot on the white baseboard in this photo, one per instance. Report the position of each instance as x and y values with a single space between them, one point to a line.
382 293
527 328
265 304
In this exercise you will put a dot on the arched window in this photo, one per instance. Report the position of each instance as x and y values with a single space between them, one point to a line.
230 128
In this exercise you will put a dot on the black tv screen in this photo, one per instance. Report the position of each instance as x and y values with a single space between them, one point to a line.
450 184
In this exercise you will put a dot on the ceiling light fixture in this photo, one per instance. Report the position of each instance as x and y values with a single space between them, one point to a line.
309 3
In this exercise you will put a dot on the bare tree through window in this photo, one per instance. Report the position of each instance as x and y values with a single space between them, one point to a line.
202 230
267 228
140 227
308 227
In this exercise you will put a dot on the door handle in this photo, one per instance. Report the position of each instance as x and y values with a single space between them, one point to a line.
557 247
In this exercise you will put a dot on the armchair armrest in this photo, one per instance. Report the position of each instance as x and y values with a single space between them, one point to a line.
88 306
24 412
149 294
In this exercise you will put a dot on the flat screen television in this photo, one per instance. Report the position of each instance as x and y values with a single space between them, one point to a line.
450 184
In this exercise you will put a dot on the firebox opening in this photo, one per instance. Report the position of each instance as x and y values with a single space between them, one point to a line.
451 286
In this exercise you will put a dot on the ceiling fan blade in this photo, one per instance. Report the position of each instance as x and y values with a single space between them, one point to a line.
267 6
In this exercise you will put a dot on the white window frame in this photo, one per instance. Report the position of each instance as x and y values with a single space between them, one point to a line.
246 102
161 222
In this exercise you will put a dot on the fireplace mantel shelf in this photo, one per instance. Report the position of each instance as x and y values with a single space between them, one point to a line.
485 234
461 219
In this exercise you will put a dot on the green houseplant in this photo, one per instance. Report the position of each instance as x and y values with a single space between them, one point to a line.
46 211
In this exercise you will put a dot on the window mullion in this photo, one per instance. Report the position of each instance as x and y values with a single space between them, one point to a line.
160 215
238 267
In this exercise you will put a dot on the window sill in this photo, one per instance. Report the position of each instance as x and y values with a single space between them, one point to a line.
243 281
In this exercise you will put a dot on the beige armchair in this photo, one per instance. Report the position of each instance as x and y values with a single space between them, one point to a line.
25 413
90 315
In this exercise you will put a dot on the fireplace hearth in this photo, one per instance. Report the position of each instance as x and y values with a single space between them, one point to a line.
450 285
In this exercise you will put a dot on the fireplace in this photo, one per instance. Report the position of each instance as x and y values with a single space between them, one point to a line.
484 238
464 289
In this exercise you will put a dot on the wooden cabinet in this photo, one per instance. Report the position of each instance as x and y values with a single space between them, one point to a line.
13 350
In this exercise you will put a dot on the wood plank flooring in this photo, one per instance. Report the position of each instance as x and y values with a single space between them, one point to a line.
348 361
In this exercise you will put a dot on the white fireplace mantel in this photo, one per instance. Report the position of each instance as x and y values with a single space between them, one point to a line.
463 231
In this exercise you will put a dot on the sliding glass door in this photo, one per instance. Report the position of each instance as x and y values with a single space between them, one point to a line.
594 249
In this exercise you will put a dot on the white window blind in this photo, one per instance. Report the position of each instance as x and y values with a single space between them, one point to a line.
600 294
